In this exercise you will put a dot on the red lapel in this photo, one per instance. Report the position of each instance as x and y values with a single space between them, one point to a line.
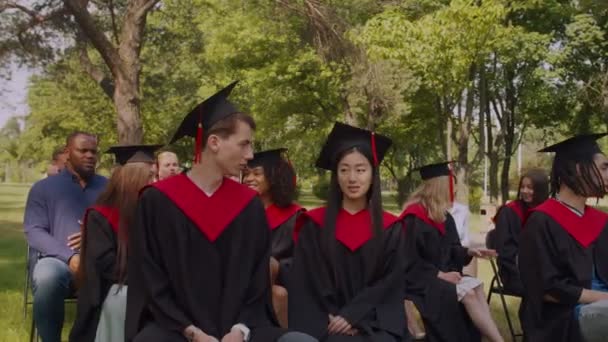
111 214
277 216
352 230
210 214
420 212
584 229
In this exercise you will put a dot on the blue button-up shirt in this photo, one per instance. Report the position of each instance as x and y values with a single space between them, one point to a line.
54 206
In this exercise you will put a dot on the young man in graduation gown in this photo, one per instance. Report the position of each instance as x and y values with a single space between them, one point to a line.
346 281
198 270
102 275
563 257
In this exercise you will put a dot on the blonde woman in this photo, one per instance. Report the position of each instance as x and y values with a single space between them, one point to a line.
435 257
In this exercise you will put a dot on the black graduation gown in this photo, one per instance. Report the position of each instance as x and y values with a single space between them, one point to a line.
213 273
374 306
282 222
509 223
427 252
552 261
100 262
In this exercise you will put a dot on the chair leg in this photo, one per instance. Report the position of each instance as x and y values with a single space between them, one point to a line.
33 331
508 317
26 291
490 289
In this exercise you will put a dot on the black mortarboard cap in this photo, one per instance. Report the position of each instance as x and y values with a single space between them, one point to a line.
207 113
584 145
434 170
267 157
343 137
133 153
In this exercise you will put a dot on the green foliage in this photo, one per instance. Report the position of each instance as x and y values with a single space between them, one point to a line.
321 188
403 68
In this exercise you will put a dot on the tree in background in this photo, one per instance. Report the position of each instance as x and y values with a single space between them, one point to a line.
36 31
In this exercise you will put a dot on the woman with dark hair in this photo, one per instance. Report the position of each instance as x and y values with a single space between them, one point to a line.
103 271
272 176
434 279
346 282
563 252
510 219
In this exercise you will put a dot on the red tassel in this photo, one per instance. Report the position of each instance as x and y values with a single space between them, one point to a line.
451 183
198 144
374 153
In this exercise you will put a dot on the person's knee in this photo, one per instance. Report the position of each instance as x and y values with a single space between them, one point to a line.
279 293
51 275
295 336
152 332
469 297
597 311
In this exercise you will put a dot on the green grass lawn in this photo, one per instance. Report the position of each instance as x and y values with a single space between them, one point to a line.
14 326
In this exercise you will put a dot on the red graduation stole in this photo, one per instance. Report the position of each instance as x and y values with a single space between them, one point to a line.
518 208
277 216
352 230
585 229
111 214
420 212
211 214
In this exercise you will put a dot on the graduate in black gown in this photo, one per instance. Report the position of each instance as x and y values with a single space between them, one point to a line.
347 275
273 177
102 275
434 280
200 247
563 255
509 221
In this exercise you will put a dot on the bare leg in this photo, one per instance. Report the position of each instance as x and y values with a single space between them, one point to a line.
279 302
481 298
482 320
412 323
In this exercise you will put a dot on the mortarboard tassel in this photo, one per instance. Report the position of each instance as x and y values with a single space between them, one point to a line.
451 175
374 153
198 144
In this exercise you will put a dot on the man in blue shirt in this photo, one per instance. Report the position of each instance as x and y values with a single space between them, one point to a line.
54 208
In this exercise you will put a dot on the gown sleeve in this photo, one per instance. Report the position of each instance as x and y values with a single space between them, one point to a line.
458 254
508 229
539 266
311 294
100 252
256 306
150 251
417 252
99 264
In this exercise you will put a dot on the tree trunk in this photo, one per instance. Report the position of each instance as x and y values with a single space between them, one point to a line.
493 157
509 132
462 141
128 121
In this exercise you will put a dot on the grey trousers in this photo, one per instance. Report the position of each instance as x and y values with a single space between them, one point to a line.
296 337
593 321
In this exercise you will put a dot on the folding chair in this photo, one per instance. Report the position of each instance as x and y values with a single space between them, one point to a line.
496 286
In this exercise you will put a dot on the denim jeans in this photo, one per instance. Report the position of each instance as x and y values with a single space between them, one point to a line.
593 321
51 285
